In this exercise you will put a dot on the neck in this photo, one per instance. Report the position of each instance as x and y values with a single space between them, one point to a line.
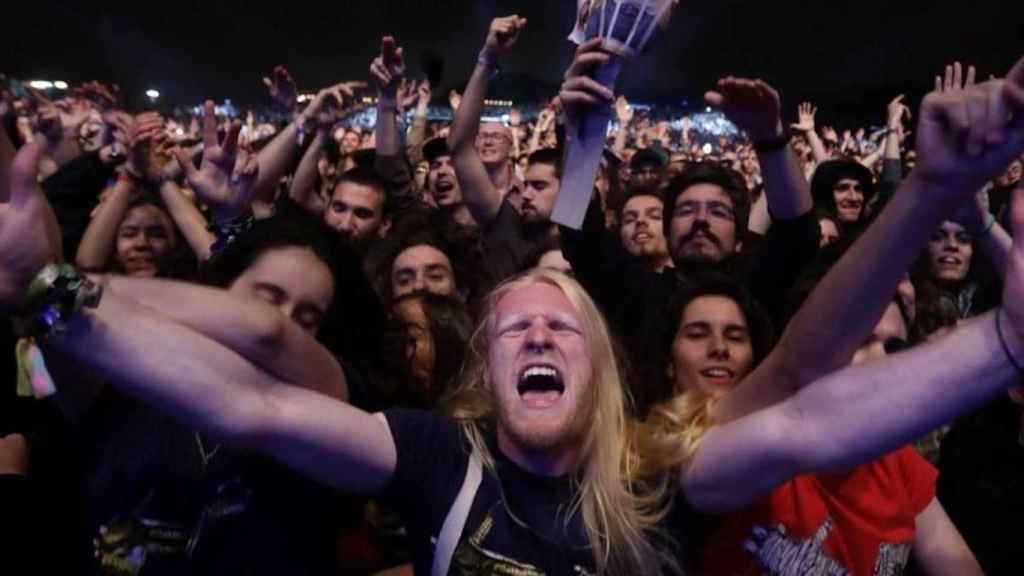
661 261
551 462
501 175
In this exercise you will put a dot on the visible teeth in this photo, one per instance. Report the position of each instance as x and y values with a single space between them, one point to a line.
717 373
540 371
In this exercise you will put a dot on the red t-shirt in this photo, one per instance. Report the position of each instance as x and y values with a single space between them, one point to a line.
859 522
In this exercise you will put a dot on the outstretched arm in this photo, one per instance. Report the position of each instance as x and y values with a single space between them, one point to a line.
961 144
755 107
256 331
856 414
194 378
482 198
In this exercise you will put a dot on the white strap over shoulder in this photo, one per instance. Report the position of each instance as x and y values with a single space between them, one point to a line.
455 521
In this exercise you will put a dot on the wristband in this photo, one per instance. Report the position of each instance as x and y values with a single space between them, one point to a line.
773 144
54 296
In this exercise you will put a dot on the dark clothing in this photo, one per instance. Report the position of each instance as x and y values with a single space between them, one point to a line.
160 497
509 243
981 484
73 191
633 297
433 454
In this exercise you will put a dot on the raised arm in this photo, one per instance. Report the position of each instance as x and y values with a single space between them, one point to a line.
755 107
960 146
194 378
418 130
806 114
482 198
862 411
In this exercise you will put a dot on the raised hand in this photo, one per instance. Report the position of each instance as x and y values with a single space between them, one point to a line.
623 111
29 235
281 87
969 135
226 176
408 94
515 117
146 134
330 104
503 35
388 68
454 100
897 111
806 113
752 104
424 93
954 78
103 96
579 90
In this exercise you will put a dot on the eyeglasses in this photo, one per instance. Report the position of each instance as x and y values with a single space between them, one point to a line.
493 137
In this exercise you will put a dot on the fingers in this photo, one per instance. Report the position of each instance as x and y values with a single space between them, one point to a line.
594 91
958 76
209 124
586 61
977 104
938 84
230 145
947 83
24 170
1013 89
185 161
971 74
268 83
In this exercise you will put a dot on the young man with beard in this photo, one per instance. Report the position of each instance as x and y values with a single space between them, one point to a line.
510 236
358 208
708 209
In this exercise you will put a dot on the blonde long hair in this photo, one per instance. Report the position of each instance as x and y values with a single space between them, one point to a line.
620 515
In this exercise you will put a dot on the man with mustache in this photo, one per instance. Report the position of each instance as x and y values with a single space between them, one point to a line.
706 210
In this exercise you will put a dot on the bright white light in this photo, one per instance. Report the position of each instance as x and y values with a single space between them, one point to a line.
152 94
41 84
707 148
60 85
708 109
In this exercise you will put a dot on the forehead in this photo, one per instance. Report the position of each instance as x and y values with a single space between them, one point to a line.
146 215
951 227
846 182
704 192
355 193
421 256
713 309
642 202
494 128
440 160
534 299
540 171
297 271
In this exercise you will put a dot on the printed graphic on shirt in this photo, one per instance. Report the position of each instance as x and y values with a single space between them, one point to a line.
782 555
472 559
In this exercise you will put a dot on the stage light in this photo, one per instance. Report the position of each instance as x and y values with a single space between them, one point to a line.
152 94
60 85
41 84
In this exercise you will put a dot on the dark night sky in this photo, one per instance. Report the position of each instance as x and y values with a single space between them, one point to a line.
849 54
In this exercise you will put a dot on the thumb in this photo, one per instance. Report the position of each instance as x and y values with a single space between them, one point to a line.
714 98
24 170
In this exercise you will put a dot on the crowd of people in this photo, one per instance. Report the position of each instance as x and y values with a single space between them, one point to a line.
312 347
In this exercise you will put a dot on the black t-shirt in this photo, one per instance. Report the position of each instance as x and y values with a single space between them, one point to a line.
157 502
517 523
509 242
